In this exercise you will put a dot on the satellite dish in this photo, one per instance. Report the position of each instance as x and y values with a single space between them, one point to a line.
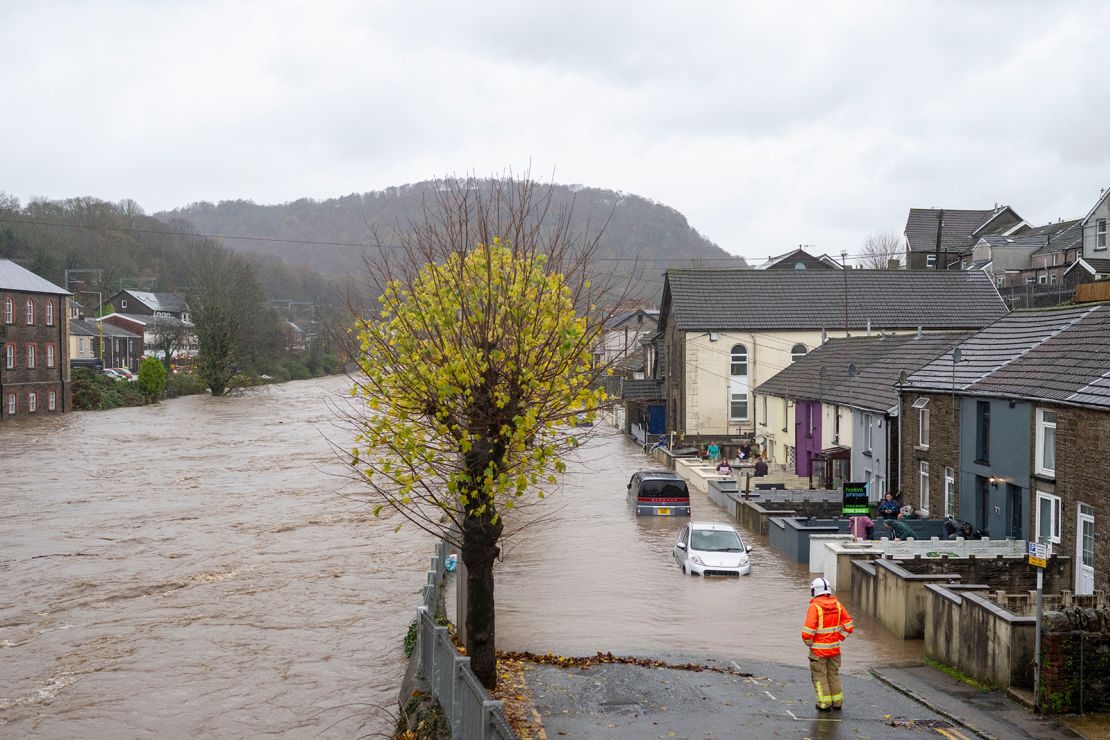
957 354
852 371
901 377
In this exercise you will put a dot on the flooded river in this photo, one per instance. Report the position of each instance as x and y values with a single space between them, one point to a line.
192 569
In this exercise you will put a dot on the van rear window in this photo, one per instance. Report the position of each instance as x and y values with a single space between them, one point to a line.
663 489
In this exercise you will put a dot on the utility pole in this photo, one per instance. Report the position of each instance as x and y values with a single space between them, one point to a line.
940 228
844 269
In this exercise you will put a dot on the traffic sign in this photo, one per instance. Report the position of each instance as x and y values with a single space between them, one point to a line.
1039 552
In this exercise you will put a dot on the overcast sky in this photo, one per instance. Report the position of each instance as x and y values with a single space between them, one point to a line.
767 125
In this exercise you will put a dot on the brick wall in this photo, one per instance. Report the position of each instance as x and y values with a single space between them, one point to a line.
1000 573
944 450
1082 476
1075 661
42 378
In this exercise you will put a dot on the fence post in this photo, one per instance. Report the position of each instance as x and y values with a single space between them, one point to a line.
462 663
489 707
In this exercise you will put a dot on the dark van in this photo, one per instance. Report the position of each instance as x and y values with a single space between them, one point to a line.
659 493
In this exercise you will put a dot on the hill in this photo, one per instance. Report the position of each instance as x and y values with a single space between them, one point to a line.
325 235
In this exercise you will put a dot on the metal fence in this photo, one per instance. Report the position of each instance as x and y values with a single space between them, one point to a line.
470 711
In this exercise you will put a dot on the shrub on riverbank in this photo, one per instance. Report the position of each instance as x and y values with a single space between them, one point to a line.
152 379
184 384
92 391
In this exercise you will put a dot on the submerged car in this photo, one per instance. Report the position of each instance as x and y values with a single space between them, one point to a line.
659 493
712 549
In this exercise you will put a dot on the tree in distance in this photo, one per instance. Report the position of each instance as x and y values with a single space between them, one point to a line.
468 375
167 337
880 248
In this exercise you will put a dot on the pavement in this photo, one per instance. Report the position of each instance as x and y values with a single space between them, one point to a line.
633 701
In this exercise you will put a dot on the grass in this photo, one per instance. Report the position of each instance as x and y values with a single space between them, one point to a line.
958 675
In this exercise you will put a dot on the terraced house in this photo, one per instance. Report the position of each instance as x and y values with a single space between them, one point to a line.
34 366
1010 430
725 332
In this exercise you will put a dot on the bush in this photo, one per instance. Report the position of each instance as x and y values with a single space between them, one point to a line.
93 391
297 369
331 364
152 378
184 384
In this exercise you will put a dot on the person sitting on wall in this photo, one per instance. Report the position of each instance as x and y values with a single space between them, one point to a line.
760 466
888 507
724 468
969 532
745 451
951 527
899 530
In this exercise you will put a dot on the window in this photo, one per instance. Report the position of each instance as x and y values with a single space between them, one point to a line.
924 485
80 345
122 303
930 260
52 401
868 431
982 431
949 491
836 423
1046 442
12 406
1100 234
1052 279
763 411
797 351
30 311
923 428
50 355
9 356
30 356
738 383
49 313
32 402
1048 517
9 311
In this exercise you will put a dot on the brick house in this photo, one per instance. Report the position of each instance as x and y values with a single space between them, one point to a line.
1017 433
34 364
937 238
142 303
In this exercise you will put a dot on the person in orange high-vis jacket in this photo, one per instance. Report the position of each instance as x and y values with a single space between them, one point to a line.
827 624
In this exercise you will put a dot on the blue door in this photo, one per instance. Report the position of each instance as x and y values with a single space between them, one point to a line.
657 418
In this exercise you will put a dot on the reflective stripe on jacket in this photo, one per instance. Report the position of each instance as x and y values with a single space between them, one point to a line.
827 624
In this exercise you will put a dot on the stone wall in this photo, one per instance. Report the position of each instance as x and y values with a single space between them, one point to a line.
1075 660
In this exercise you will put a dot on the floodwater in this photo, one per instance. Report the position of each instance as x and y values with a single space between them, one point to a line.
590 575
189 569
195 569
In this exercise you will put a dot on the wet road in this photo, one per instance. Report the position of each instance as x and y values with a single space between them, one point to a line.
191 569
594 576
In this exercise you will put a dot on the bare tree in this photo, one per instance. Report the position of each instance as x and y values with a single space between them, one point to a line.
880 248
168 336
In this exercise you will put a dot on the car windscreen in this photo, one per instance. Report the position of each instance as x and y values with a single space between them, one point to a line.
663 489
710 540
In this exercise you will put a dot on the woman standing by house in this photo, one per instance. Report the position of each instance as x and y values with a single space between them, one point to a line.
888 507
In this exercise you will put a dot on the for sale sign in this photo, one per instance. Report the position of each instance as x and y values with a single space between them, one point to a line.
856 500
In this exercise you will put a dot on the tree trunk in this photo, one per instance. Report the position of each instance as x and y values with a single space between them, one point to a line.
479 552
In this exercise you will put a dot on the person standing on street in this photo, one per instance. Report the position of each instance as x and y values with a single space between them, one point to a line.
827 625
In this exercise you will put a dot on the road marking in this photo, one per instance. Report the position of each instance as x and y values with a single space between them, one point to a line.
768 693
792 715
951 733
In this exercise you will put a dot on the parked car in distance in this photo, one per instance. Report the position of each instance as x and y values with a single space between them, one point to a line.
125 373
712 549
111 373
659 493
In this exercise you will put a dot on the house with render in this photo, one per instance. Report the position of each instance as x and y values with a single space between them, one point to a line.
724 332
34 363
839 405
1010 430
937 238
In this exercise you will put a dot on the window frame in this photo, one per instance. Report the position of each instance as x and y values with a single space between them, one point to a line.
1100 234
9 310
48 309
868 433
949 490
739 407
9 356
1056 515
983 432
795 355
923 484
1043 426
50 356
32 402
52 401
931 260
30 355
923 428
29 312
13 404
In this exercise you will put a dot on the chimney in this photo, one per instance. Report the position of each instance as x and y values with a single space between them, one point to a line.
869 327
920 332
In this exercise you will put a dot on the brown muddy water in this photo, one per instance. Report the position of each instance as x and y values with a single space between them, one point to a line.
194 569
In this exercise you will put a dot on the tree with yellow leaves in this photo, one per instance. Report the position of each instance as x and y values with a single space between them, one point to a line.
472 370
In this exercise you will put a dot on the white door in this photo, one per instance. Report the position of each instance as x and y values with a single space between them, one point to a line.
1085 551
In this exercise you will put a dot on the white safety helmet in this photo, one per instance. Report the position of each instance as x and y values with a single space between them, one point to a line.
819 587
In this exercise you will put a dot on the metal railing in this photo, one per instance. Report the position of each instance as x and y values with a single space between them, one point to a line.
469 709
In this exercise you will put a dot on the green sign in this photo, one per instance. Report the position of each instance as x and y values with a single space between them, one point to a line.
856 500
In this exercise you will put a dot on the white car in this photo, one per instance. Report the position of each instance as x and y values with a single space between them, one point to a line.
712 549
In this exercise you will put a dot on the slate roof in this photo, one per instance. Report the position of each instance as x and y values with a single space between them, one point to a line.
110 330
83 328
21 280
959 226
1020 240
647 389
1060 236
761 300
1060 355
1100 266
170 302
878 363
143 319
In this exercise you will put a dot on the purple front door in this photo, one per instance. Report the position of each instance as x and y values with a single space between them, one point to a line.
807 434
